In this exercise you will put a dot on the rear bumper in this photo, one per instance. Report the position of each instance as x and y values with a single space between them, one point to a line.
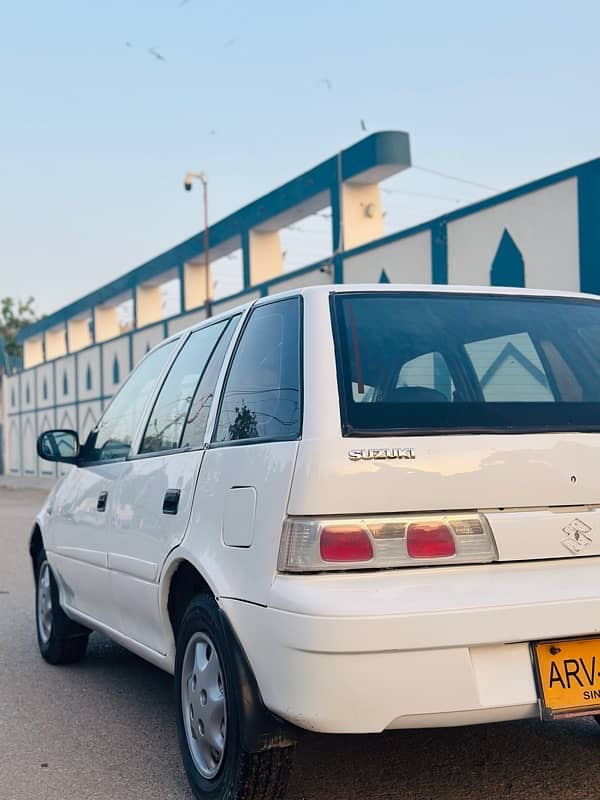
436 647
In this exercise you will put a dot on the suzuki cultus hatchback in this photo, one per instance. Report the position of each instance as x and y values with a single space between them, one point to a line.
343 509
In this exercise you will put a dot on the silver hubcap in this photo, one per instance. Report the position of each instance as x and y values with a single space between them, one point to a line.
203 704
44 612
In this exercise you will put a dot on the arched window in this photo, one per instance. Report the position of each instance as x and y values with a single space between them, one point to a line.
88 377
65 383
27 394
45 389
116 370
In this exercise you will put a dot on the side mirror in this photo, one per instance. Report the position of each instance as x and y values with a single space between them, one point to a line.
61 445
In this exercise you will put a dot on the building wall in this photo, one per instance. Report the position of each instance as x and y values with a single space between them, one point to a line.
405 260
542 224
544 235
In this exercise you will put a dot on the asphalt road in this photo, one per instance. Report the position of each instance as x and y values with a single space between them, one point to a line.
105 728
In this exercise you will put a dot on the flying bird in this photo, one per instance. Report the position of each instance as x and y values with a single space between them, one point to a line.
154 52
230 42
183 3
363 127
128 44
327 83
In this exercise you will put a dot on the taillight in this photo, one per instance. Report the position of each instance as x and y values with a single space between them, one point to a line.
314 545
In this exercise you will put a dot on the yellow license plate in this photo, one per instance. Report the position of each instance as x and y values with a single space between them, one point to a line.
569 676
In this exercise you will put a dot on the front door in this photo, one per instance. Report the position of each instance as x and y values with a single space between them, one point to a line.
77 536
84 504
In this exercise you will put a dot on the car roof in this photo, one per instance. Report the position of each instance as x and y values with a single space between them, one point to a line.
439 289
349 288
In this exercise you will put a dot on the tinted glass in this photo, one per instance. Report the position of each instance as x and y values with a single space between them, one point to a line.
166 422
114 434
195 427
429 370
509 367
262 392
467 362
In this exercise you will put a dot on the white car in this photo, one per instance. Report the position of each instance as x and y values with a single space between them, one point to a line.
344 509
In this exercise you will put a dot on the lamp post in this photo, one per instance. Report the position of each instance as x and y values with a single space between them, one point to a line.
187 182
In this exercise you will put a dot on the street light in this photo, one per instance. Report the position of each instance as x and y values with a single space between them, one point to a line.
187 182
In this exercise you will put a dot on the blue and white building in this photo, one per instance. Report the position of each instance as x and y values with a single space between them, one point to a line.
545 234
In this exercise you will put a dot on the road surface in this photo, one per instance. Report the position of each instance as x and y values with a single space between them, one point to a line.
104 729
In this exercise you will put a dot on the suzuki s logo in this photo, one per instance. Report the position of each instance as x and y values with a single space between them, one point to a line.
374 453
577 538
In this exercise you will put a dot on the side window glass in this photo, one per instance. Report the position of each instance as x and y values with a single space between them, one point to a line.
262 392
166 422
509 369
195 428
114 434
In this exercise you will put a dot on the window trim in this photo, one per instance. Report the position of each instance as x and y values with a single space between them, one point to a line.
137 454
224 362
134 453
211 444
348 431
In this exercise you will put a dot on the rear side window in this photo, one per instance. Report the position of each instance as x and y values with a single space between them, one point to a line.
168 417
451 362
195 427
261 399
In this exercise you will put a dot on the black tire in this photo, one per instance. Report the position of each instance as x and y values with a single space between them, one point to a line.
65 642
241 775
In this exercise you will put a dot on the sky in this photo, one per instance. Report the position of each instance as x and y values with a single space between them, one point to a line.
96 131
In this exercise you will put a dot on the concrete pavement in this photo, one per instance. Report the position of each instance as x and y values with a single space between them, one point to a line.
104 729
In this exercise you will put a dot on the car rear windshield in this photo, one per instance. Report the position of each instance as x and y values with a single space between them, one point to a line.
434 362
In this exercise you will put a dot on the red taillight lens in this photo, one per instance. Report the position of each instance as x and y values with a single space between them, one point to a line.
429 540
345 543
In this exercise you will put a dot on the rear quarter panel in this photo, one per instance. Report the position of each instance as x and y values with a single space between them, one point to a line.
243 572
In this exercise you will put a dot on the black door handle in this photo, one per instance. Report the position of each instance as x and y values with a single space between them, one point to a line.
171 501
101 504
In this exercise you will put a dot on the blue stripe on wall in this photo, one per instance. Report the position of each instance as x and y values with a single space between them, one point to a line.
246 277
588 197
439 252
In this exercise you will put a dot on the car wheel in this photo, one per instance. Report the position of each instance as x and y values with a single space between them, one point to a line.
209 716
61 641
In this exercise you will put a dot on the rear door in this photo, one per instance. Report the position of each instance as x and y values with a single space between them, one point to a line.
156 485
459 402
